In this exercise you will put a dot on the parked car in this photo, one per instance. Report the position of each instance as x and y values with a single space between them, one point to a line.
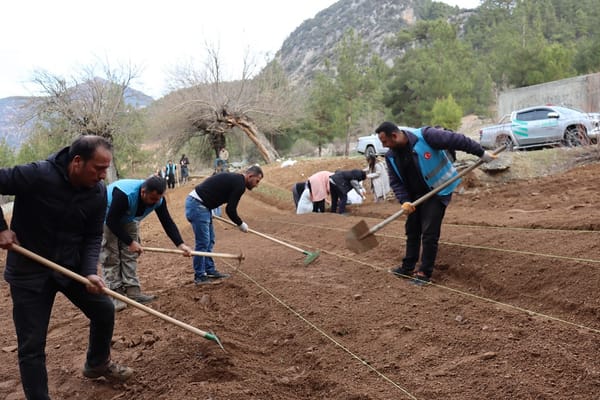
541 126
371 145
595 133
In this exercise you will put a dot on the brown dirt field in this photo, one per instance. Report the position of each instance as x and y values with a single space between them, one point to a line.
513 312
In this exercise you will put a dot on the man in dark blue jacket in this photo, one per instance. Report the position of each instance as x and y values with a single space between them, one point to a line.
58 214
341 182
417 163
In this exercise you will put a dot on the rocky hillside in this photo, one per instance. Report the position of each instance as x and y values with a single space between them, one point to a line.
303 53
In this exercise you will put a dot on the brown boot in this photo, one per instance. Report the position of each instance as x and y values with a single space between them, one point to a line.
135 293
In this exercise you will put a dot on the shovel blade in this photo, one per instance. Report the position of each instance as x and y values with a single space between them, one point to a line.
354 241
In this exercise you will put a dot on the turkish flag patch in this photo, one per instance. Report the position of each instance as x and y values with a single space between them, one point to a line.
427 155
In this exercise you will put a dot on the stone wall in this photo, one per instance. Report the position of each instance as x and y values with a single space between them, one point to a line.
581 92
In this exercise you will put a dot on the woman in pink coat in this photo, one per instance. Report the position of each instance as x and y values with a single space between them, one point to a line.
318 184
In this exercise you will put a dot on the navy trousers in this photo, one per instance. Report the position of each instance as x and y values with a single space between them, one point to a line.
31 315
423 227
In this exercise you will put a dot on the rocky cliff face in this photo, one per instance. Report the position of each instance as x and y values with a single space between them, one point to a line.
304 52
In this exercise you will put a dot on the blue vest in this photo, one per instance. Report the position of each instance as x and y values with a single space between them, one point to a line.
131 188
435 167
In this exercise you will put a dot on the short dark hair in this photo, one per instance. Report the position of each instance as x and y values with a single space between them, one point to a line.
255 170
155 184
387 128
85 146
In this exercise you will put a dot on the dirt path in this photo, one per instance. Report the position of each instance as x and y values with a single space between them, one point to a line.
514 310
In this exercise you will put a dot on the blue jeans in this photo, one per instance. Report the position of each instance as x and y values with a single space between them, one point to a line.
31 315
201 219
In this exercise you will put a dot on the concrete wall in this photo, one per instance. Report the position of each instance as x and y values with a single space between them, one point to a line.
581 92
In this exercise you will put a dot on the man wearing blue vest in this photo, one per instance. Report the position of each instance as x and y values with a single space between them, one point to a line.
130 201
417 163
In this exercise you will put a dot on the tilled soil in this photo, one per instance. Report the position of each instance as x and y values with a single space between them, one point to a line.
513 311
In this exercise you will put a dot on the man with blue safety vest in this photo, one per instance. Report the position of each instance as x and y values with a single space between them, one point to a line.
417 163
130 201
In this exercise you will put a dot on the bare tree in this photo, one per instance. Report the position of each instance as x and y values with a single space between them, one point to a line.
203 103
86 104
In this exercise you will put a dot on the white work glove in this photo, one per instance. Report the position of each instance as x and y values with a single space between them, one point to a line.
372 175
243 227
487 157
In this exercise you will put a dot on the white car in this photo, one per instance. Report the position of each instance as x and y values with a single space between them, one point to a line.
539 127
371 145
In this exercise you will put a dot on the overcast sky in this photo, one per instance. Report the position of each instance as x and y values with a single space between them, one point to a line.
62 36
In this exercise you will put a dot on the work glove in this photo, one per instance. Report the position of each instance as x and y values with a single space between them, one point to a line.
487 157
243 227
372 175
408 207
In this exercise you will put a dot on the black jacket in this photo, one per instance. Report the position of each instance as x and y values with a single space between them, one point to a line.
344 179
52 219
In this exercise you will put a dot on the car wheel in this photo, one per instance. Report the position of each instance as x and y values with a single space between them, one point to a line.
505 140
575 136
370 151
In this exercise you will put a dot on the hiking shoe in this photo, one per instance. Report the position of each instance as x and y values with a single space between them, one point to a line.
420 279
111 371
402 272
217 275
201 280
135 293
119 305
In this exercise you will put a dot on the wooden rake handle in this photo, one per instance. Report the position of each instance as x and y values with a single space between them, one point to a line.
291 246
238 257
111 293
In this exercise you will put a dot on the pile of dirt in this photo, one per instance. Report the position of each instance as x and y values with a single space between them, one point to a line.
513 311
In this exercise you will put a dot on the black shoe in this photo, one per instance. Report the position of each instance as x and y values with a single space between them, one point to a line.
111 371
202 280
402 272
420 279
217 275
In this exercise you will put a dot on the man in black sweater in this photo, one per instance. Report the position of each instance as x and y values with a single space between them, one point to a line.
226 187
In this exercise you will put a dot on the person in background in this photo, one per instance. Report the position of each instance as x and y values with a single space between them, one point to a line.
170 171
417 162
160 173
341 182
218 189
58 212
130 201
184 164
297 190
320 188
380 182
221 161
224 154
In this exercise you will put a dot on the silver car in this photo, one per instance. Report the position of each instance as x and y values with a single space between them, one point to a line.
541 126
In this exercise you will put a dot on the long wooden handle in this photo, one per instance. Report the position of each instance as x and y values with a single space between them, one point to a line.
111 293
429 195
291 246
195 253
